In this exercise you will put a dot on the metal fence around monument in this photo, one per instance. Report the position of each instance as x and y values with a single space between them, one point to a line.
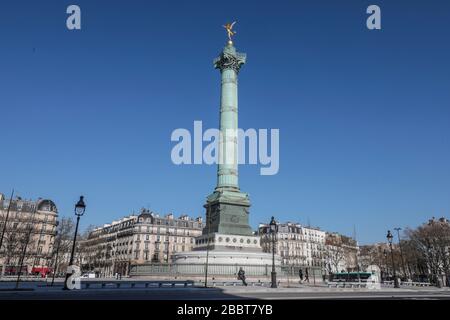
164 269
199 269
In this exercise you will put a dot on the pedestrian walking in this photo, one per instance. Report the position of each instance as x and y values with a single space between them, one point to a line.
306 275
300 275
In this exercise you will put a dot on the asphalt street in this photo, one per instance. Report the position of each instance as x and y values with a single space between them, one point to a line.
224 293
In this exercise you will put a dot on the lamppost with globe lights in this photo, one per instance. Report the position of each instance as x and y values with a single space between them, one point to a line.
390 237
80 208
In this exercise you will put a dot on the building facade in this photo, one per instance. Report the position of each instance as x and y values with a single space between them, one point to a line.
296 244
304 246
138 239
27 231
341 253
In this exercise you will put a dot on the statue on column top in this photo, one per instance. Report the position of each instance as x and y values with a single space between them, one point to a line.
229 28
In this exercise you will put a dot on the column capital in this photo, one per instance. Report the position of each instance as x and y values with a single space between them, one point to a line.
230 59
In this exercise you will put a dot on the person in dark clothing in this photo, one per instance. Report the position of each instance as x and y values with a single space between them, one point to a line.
306 275
241 276
300 274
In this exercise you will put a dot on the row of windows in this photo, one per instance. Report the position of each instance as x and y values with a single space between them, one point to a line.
165 238
146 254
170 222
160 230
166 222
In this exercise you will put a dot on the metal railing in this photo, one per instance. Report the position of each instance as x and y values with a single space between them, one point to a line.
135 284
407 283
239 283
199 269
168 269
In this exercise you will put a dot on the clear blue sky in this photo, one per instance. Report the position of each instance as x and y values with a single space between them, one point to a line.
364 116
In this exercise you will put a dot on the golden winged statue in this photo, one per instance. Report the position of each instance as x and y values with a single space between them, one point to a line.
229 28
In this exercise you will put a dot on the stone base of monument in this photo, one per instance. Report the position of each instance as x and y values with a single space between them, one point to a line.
225 262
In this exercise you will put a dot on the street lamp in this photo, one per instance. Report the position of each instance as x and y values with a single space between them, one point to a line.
80 208
273 231
389 237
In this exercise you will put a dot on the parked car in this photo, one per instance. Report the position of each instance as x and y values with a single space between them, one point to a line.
88 275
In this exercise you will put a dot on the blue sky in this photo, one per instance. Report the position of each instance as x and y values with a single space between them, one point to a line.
363 115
